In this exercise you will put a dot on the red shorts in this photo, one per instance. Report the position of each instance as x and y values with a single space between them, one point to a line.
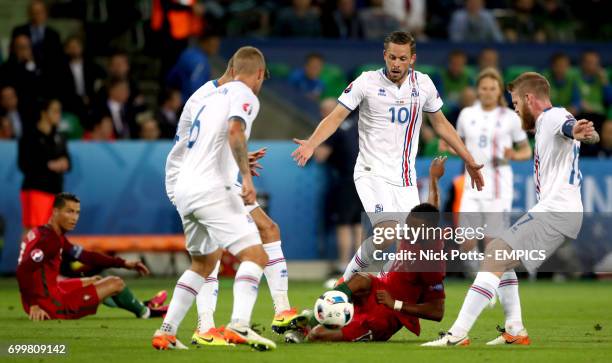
371 320
36 207
75 301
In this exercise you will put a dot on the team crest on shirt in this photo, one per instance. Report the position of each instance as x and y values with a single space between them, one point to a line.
382 92
349 88
37 255
415 92
378 208
248 108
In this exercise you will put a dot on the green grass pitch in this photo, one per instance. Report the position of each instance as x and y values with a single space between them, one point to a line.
568 322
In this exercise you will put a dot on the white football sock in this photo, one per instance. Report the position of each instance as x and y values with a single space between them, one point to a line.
206 301
185 291
361 260
277 276
508 292
246 284
477 298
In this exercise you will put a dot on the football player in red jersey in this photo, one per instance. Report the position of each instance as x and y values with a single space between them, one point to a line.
43 296
398 298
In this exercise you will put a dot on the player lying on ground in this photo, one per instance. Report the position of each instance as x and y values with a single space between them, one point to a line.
276 268
43 296
399 298
555 218
391 102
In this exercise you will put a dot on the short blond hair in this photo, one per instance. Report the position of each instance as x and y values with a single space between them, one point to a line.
494 74
248 60
530 82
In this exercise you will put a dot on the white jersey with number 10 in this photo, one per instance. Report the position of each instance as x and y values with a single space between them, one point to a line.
390 120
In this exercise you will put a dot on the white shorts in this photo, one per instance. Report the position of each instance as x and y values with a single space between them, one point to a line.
217 220
534 232
492 214
378 196
251 207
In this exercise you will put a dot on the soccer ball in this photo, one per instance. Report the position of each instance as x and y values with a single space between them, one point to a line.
333 309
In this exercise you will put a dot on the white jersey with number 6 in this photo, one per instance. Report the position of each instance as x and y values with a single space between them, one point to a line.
390 120
175 157
208 162
487 134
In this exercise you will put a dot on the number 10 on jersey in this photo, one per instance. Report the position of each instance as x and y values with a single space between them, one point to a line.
401 114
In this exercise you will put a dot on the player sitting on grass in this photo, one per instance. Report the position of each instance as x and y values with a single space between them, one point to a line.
45 297
399 298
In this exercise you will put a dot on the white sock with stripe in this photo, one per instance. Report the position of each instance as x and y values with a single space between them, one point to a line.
185 291
277 276
206 301
508 292
362 259
246 284
477 298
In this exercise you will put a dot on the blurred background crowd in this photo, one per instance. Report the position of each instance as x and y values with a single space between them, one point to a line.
122 69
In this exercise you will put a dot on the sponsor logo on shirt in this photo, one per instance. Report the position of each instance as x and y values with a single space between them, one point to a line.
382 92
437 287
248 108
37 255
378 208
349 88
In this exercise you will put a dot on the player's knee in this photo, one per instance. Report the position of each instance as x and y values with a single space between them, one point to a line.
254 254
117 284
269 231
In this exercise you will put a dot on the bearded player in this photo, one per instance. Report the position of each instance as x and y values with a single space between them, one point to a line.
391 104
276 269
555 218
398 298
43 296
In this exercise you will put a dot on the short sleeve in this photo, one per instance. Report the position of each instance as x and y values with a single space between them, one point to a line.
518 134
562 124
461 123
433 103
354 93
244 105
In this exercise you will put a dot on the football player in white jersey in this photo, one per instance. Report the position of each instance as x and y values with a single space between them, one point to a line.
213 215
556 217
276 268
490 130
391 103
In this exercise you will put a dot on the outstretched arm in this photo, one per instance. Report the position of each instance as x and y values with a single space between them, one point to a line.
448 133
326 128
432 310
436 171
584 131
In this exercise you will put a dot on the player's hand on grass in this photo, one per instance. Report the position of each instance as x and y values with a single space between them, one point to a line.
137 266
436 169
303 153
383 297
583 130
473 169
38 314
249 195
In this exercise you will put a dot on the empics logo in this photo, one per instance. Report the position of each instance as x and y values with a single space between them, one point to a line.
248 108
